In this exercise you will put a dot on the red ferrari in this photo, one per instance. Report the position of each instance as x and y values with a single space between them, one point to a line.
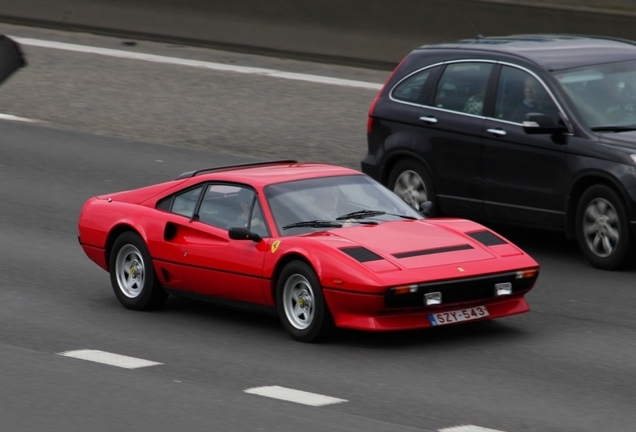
323 246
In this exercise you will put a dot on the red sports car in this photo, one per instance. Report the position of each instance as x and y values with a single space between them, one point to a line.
323 246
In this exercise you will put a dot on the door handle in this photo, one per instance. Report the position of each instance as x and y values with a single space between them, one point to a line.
429 119
498 131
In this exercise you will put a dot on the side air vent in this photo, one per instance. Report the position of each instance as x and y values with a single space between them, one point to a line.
487 238
432 251
361 254
169 232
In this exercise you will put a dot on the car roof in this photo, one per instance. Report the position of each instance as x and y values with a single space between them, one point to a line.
552 52
265 173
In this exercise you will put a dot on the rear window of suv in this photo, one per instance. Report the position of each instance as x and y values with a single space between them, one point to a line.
411 88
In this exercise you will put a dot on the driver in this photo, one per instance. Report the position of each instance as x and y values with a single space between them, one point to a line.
325 200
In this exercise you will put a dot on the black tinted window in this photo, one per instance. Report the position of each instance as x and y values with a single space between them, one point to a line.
410 89
462 87
519 93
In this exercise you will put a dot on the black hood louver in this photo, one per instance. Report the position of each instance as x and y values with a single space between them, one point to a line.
487 238
361 254
432 251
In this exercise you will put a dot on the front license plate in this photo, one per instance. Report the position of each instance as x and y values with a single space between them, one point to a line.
458 316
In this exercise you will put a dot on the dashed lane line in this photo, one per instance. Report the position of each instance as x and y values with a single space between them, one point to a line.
109 358
468 428
197 63
16 118
296 396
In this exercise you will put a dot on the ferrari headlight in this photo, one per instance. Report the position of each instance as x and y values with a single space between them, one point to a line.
433 298
504 288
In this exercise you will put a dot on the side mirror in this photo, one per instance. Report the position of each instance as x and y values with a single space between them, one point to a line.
239 233
536 124
426 207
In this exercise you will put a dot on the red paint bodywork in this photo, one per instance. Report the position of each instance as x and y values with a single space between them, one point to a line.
202 259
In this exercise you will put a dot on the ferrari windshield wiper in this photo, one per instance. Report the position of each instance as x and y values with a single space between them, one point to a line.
361 214
314 224
325 224
614 128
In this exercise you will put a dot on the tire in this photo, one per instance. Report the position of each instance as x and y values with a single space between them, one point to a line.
300 304
602 229
411 182
132 275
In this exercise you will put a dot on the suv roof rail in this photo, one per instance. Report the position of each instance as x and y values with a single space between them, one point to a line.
189 174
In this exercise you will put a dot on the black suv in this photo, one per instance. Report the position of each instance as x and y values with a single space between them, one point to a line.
533 130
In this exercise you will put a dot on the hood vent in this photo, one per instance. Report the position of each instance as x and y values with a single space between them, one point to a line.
487 238
432 251
361 254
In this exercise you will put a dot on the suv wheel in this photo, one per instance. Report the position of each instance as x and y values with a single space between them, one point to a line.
602 230
411 182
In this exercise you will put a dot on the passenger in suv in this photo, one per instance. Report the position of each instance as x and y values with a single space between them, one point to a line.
553 147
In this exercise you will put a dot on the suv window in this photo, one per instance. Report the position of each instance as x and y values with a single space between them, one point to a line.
605 95
519 93
410 89
462 87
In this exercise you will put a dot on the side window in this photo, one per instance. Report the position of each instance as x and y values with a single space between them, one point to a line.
519 93
226 206
183 203
462 87
410 89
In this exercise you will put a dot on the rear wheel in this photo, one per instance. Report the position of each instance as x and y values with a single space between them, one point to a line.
602 228
411 182
301 305
132 276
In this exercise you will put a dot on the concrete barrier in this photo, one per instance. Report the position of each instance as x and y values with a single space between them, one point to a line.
363 32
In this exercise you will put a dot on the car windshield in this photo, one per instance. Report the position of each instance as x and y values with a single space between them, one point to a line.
304 206
605 95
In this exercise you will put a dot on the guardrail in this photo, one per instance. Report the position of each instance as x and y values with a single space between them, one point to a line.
364 32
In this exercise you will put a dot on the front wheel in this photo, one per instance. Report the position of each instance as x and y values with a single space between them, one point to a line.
301 305
602 229
132 276
411 182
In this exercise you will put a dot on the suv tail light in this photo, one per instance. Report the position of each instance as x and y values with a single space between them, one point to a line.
375 100
371 108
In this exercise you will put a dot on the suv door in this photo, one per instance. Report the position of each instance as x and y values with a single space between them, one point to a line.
525 176
451 136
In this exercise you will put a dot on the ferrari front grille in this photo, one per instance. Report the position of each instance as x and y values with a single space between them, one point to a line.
459 291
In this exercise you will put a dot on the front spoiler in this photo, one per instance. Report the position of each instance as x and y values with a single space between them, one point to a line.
349 311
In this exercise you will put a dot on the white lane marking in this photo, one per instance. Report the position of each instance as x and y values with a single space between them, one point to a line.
197 63
296 396
109 358
16 118
468 428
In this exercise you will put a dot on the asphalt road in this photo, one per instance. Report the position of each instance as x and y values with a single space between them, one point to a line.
109 124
